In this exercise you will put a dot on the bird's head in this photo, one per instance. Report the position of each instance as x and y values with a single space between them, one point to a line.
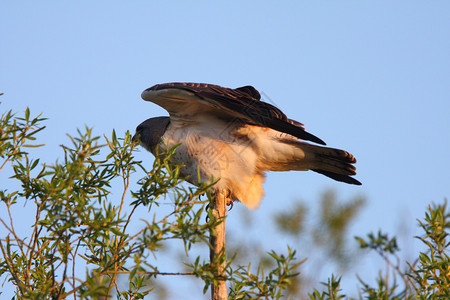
150 131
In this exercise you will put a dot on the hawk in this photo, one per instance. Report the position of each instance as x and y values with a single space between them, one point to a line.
233 136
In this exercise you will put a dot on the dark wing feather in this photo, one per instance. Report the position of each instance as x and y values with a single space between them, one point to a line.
249 90
245 103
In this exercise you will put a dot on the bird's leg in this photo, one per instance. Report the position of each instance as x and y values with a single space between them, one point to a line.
229 202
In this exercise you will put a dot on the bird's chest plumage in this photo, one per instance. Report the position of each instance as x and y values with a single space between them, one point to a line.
205 153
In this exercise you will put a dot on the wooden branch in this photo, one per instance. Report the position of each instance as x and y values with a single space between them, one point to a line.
217 240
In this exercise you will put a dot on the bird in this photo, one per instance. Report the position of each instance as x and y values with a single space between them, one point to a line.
232 136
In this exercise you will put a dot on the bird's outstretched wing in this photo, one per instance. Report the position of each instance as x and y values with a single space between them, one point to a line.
188 101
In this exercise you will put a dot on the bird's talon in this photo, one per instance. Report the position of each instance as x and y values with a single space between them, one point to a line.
230 203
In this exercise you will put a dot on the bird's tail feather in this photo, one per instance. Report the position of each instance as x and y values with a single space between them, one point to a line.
338 177
334 163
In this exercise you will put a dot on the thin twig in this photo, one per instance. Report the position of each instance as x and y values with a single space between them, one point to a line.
157 273
120 242
4 163
12 270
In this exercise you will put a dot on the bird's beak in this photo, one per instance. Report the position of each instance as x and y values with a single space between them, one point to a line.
135 137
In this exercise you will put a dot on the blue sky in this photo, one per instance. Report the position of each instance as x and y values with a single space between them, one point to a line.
371 77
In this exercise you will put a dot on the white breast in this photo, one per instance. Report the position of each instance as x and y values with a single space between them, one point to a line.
217 152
